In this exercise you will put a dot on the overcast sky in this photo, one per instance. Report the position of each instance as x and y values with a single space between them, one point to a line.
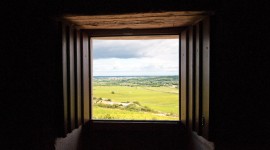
135 57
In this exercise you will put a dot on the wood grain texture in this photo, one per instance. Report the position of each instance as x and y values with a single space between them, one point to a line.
79 79
206 76
136 21
190 79
197 79
86 76
183 77
64 71
71 79
138 37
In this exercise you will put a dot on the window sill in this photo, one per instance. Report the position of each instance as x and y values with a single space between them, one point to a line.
131 125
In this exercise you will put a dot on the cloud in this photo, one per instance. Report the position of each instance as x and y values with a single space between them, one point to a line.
116 49
125 49
140 57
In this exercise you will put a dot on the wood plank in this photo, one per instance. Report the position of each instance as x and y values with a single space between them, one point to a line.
151 37
136 21
205 77
64 71
137 15
75 77
72 78
190 79
132 32
183 77
197 80
91 76
86 88
137 24
78 78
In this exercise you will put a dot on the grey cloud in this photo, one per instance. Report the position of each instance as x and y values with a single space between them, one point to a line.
128 49
117 49
116 52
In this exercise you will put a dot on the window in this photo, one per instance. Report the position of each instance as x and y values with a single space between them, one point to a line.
194 67
135 78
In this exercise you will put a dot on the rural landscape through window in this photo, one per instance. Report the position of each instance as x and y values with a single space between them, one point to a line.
135 78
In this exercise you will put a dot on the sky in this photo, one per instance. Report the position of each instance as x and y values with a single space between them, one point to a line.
155 57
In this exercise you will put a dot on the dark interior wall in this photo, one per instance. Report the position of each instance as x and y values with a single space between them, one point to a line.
30 78
31 70
239 78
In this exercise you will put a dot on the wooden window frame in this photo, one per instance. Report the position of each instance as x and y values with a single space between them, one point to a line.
194 72
137 33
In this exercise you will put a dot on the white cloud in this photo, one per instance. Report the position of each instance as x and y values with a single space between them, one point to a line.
136 57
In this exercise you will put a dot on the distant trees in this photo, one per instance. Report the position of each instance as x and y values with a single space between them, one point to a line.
155 81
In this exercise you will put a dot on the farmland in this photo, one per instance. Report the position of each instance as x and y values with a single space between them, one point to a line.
136 98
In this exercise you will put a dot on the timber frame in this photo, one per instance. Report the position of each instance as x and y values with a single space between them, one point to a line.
194 37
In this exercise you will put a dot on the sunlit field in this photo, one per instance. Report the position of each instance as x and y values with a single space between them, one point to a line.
117 114
135 102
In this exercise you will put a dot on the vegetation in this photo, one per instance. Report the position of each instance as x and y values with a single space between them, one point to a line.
118 114
136 98
148 81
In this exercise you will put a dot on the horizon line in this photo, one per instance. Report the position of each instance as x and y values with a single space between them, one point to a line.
129 75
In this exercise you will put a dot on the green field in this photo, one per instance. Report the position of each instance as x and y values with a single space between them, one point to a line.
163 102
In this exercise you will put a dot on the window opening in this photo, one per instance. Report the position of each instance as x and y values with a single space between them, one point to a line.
135 78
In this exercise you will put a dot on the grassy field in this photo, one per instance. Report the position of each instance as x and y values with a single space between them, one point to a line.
160 99
117 114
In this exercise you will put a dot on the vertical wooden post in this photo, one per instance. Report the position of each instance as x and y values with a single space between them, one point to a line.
72 78
78 78
205 77
91 76
190 79
197 79
86 76
64 71
183 77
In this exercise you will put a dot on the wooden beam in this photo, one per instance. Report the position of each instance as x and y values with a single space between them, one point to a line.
64 71
91 77
190 78
72 78
205 76
136 15
136 20
183 75
197 79
139 24
133 32
149 37
78 78
86 76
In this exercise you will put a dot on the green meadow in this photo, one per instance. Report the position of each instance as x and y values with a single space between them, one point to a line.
162 101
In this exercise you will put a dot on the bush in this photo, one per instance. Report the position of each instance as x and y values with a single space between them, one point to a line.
113 92
136 102
115 106
108 105
146 108
132 107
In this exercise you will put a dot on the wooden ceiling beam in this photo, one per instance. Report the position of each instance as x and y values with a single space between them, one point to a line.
136 21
